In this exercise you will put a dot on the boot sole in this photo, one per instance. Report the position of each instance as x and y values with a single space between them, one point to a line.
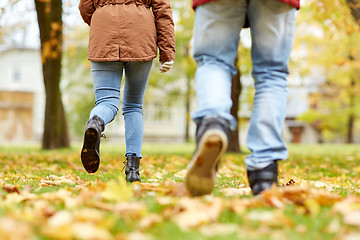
89 156
201 175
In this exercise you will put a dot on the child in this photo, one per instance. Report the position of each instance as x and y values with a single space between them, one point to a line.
124 35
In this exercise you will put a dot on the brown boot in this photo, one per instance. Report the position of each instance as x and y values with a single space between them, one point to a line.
212 137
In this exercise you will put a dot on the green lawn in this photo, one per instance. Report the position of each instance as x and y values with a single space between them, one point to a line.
48 195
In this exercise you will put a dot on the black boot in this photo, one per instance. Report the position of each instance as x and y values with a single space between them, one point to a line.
90 155
132 169
212 137
263 179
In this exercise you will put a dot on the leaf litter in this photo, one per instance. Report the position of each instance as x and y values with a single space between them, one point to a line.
68 204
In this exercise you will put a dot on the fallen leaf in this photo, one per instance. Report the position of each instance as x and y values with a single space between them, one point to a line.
181 175
138 236
60 218
90 231
130 211
218 229
11 229
117 191
325 198
88 215
194 212
11 188
45 183
271 218
236 192
175 189
352 236
352 218
312 207
334 226
150 220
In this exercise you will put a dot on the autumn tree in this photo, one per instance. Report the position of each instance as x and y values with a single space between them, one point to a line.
354 6
236 87
178 84
186 66
332 47
76 78
49 15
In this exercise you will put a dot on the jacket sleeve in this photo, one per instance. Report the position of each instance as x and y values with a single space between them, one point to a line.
86 8
165 29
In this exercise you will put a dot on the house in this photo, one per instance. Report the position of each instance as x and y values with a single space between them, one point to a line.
21 95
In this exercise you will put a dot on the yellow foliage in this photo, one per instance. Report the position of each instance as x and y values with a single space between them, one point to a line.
52 48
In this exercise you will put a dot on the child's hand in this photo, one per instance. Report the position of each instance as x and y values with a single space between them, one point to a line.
166 66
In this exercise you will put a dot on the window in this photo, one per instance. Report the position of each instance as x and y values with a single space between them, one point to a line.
16 75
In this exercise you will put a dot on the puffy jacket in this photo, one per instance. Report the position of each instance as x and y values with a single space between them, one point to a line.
295 3
129 30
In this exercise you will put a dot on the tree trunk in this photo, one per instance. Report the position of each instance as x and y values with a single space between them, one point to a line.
236 87
49 14
354 6
187 108
350 137
351 119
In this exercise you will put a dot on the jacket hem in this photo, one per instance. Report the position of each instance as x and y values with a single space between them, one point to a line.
142 59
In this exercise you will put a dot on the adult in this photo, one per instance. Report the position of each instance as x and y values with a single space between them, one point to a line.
216 37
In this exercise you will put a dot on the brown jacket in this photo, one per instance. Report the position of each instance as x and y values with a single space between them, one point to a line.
129 30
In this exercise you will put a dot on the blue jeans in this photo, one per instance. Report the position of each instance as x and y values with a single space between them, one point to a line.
216 40
107 78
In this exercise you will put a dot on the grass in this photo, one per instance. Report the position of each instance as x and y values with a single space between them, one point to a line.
46 194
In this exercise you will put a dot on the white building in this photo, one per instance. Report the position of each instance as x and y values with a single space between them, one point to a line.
21 72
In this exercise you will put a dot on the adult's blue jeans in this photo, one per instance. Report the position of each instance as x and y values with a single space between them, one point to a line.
216 38
107 78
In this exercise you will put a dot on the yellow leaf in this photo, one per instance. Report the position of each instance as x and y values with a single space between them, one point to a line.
312 206
56 26
117 191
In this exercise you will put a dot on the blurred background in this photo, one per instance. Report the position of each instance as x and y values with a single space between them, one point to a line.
46 91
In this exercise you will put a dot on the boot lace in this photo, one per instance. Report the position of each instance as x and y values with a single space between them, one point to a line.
125 164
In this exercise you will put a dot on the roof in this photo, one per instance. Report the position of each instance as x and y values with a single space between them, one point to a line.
7 49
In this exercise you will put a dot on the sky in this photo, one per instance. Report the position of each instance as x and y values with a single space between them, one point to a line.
22 17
